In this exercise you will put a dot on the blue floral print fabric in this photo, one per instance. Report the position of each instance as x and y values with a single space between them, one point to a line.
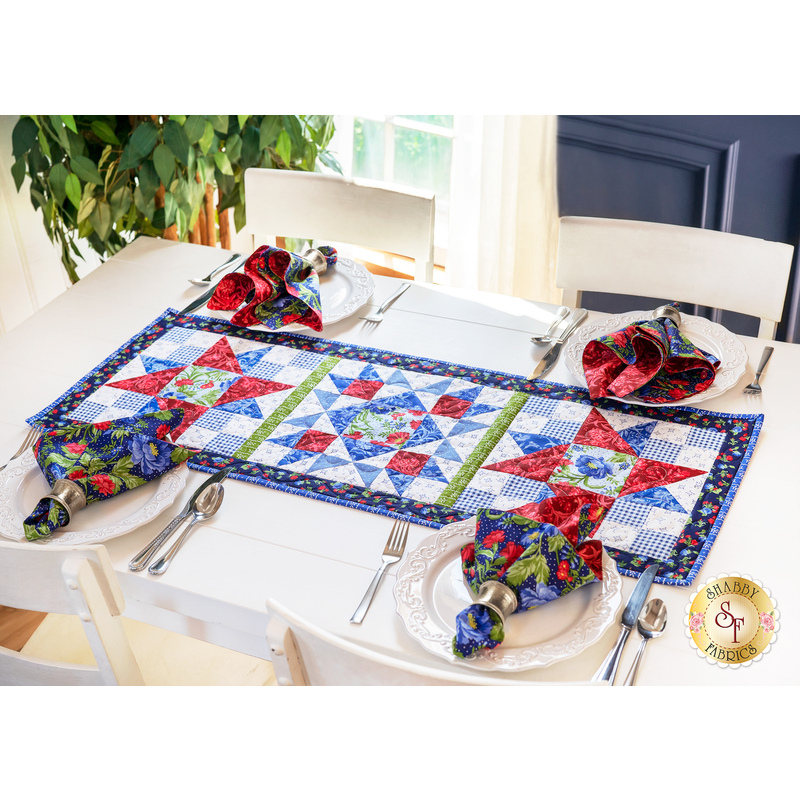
104 459
525 551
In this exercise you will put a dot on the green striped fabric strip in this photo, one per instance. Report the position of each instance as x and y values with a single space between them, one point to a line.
481 452
285 408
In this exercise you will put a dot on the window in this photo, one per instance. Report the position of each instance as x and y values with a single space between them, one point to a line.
412 150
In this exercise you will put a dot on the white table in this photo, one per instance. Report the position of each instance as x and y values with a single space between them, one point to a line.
216 589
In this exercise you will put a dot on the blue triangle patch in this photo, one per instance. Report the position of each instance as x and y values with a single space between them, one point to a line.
445 450
292 456
157 365
426 432
464 426
437 388
534 442
369 374
325 462
326 399
478 408
249 361
368 472
405 400
638 436
304 422
432 472
656 496
340 382
359 450
467 394
289 441
342 417
150 407
247 408
397 378
399 480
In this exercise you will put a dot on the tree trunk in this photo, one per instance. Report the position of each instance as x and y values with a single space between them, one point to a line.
172 231
224 230
208 208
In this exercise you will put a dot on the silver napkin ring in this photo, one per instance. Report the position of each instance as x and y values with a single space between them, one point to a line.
498 597
69 494
670 312
317 260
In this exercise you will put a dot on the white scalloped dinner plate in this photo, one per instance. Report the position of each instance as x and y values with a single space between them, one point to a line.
430 592
343 290
22 485
707 335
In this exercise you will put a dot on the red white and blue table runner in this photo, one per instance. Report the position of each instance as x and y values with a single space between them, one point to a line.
425 440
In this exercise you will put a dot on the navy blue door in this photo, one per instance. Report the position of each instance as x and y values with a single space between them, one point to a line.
739 174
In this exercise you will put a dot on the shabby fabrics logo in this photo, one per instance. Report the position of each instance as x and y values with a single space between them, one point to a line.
731 621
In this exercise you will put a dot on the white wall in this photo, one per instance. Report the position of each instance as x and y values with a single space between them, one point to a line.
31 273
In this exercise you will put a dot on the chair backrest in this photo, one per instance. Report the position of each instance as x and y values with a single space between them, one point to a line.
710 268
308 205
67 580
305 655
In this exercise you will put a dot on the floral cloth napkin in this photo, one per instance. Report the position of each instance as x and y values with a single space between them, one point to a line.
649 359
540 551
104 459
285 287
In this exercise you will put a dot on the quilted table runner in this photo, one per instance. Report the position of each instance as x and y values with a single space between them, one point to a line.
425 440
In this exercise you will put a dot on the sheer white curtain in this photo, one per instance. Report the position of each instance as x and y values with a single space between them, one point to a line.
503 234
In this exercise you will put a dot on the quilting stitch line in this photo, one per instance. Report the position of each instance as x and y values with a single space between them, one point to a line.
285 408
481 452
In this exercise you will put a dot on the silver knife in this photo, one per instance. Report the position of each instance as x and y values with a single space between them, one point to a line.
206 296
608 669
140 561
563 333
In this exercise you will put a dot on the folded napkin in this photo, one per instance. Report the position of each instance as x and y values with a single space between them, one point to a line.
649 359
101 460
537 553
285 286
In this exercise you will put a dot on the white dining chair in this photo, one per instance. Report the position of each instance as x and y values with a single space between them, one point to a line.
84 640
305 655
395 219
710 268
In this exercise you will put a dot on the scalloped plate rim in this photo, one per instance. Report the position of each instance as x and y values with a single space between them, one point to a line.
169 486
410 581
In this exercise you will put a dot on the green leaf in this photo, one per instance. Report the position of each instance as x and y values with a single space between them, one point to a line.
222 162
175 138
69 121
164 163
233 148
72 187
147 208
164 217
219 122
194 127
101 219
60 131
250 147
86 208
239 216
58 181
231 198
242 118
120 201
86 169
270 128
179 118
522 568
130 158
284 148
292 124
18 171
144 139
104 132
23 136
207 138
330 161
77 144
148 180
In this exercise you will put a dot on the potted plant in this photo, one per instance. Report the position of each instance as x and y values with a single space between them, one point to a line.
107 179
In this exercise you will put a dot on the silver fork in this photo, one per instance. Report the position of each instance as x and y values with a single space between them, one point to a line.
392 553
378 315
754 387
31 438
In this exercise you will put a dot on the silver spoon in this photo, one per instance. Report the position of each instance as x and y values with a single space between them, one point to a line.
651 623
207 505
207 280
547 337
